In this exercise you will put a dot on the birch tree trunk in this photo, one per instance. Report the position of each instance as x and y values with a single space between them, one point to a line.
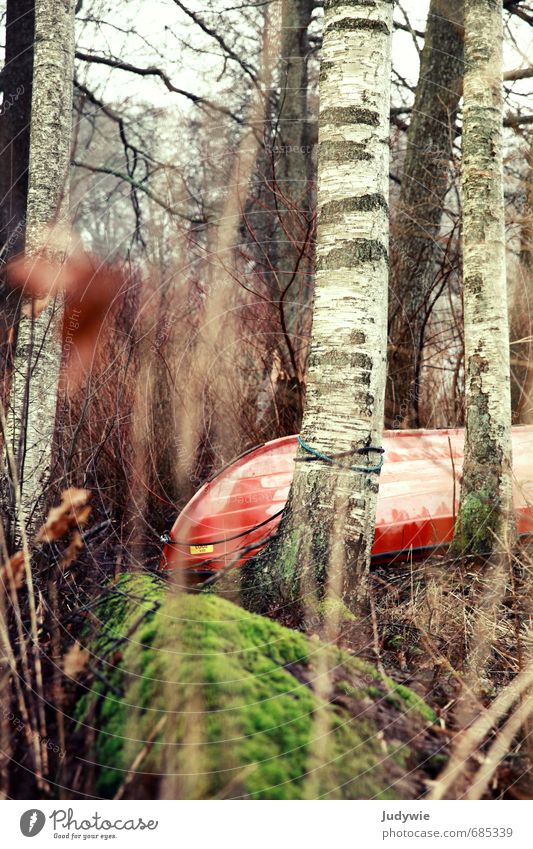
330 505
425 182
486 495
37 358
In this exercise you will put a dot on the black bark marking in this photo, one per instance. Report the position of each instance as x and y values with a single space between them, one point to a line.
353 253
331 212
350 115
329 5
325 68
344 151
363 362
356 24
474 283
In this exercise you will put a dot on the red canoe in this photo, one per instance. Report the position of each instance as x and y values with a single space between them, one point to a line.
232 516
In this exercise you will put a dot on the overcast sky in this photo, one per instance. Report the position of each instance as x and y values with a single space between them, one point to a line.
156 32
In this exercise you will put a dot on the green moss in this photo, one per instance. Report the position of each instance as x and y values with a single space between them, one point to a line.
289 563
401 695
329 607
474 532
236 692
436 762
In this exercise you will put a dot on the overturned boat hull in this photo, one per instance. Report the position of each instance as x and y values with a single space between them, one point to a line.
235 513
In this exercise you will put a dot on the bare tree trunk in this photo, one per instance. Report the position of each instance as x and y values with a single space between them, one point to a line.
17 76
289 199
346 380
522 354
15 116
38 352
293 127
484 513
425 182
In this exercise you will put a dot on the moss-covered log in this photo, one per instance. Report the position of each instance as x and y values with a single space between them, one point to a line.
202 699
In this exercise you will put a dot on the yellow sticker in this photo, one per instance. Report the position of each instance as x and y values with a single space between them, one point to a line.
201 549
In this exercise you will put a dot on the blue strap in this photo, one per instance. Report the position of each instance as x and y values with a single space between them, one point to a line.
317 455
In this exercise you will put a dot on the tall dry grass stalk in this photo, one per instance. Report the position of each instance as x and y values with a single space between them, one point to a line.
210 389
469 741
136 508
6 730
501 747
185 765
472 718
31 699
326 612
486 617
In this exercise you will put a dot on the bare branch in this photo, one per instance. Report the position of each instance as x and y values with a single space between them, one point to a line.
518 74
152 71
142 187
219 39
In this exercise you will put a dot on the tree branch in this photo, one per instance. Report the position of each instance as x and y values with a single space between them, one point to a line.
513 8
218 38
518 74
172 210
152 71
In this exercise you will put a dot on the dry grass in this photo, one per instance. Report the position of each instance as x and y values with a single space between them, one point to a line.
433 617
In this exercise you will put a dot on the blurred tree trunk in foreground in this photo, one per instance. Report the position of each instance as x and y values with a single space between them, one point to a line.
331 509
37 357
486 492
425 182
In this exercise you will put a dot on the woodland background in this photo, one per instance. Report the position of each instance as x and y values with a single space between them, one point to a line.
189 120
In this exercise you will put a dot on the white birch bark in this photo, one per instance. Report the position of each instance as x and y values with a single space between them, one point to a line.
346 378
486 494
31 415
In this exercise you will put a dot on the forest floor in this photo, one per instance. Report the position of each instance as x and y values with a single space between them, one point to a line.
426 614
420 631
416 633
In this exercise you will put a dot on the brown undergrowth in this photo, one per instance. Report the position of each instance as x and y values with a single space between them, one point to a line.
429 615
